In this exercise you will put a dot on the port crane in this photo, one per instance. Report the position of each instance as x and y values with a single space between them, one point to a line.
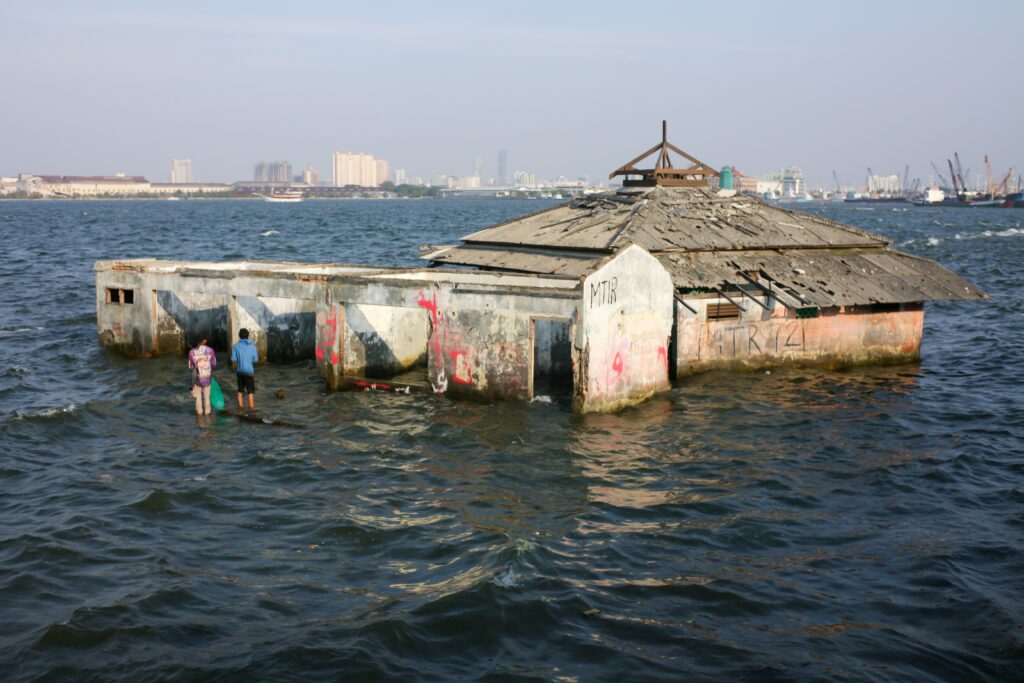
960 172
1003 186
938 174
952 175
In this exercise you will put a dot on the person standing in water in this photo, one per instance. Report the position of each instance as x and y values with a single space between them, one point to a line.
202 360
243 358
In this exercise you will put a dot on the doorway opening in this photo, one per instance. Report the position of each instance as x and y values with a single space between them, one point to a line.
552 358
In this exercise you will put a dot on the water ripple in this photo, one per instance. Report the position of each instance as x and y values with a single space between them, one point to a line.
791 525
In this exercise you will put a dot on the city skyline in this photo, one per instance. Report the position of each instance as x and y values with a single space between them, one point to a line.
794 84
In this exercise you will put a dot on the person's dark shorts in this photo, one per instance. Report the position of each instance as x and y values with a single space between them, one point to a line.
246 383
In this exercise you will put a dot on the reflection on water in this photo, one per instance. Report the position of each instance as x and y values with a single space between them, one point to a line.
797 524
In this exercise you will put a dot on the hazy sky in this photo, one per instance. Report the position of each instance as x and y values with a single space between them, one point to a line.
566 88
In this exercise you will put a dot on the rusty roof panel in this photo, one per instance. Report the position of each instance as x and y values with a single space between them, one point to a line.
669 218
706 240
525 261
826 277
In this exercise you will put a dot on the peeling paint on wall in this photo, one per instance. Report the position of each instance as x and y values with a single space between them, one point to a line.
627 322
828 341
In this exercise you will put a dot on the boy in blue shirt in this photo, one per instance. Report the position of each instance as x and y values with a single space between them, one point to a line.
243 357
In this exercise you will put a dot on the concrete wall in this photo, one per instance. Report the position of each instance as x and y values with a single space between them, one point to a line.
185 317
174 307
624 337
478 340
483 335
283 329
382 341
330 340
761 338
125 328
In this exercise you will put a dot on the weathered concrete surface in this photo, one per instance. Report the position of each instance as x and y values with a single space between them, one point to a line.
176 303
183 318
624 336
474 329
757 339
382 341
330 342
125 328
283 329
486 335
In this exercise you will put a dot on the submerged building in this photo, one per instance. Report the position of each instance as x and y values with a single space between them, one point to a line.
753 284
607 297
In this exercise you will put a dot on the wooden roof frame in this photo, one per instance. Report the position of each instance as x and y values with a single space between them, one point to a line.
663 173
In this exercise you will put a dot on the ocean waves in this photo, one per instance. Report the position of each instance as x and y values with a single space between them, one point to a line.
796 525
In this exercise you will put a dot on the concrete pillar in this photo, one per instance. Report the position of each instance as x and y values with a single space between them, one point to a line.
330 326
626 323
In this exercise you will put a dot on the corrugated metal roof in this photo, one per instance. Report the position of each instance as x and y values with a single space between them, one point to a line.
520 260
825 277
820 277
706 241
674 218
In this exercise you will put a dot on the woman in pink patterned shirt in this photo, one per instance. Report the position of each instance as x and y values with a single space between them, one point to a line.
202 360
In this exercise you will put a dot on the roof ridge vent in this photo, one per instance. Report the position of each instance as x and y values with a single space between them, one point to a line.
663 172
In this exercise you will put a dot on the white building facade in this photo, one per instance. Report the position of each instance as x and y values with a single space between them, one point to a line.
884 184
181 171
357 168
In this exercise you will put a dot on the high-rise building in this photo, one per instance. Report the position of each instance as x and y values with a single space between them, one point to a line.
358 169
399 176
181 171
884 184
272 172
310 176
478 164
523 179
502 168
383 170
792 182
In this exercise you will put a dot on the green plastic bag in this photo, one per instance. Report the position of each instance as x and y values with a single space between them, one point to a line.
216 395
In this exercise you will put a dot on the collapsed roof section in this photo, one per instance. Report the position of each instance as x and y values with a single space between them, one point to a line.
667 219
709 241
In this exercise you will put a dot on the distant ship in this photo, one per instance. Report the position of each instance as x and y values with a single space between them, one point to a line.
933 196
867 199
1013 200
284 197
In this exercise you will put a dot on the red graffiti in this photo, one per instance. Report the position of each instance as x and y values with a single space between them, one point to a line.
421 301
619 353
663 357
461 372
438 381
617 364
328 336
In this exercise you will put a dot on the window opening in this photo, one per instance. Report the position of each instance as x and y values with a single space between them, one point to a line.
116 295
723 310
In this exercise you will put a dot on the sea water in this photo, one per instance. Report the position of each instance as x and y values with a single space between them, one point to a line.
866 524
